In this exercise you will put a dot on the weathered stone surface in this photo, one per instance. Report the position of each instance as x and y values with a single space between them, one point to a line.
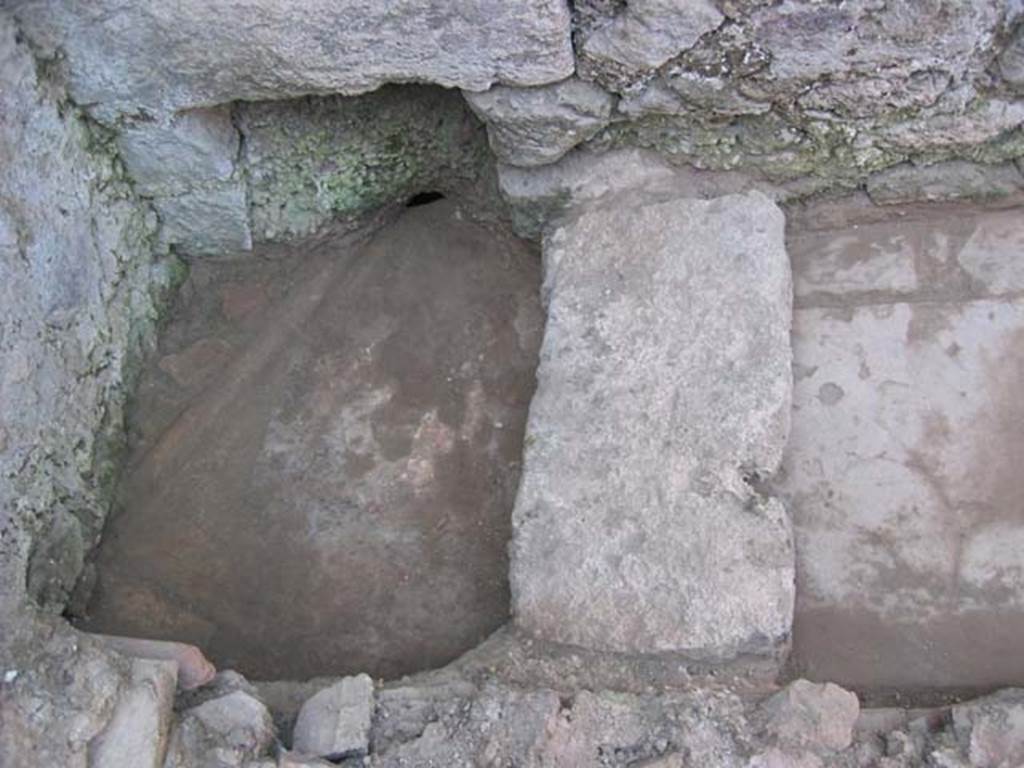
1011 61
536 126
160 58
335 723
539 196
507 725
902 470
963 119
991 730
807 40
806 715
225 732
136 736
57 694
646 34
835 92
79 287
316 160
718 95
208 220
663 392
177 153
953 180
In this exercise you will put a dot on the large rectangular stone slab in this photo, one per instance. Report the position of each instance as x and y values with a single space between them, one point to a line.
663 397
152 56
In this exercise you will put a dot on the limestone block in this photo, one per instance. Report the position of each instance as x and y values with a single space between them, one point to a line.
164 57
538 196
956 179
335 723
172 155
536 126
210 220
663 395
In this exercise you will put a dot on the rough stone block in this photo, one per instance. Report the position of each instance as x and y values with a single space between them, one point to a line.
663 396
538 196
226 732
957 179
647 33
806 715
178 153
136 736
991 729
536 126
335 723
1011 61
211 220
164 57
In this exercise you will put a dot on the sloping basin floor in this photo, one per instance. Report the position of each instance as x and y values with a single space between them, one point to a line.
324 454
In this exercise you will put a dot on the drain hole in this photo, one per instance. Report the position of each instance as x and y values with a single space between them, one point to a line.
424 198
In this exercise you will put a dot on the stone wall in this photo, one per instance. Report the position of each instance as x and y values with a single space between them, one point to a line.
914 98
80 290
797 89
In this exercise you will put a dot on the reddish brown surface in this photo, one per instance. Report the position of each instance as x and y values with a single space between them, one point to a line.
325 455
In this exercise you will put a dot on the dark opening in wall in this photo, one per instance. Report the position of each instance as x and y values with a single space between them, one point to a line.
424 198
324 454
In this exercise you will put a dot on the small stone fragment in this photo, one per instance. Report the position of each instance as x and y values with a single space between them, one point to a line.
297 760
1011 61
335 723
991 729
806 715
536 126
209 220
777 758
226 732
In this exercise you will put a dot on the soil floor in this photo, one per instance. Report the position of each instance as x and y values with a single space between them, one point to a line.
325 451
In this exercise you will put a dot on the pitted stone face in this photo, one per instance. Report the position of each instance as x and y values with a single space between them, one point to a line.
663 396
